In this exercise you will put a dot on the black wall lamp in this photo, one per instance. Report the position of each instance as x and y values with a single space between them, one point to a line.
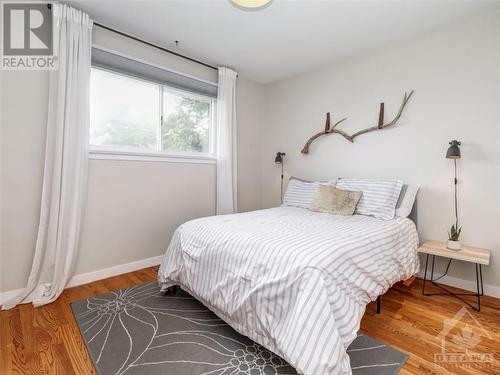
279 159
453 153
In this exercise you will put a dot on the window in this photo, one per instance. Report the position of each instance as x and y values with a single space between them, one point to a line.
130 115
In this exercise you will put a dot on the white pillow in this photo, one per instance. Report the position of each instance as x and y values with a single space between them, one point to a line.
300 193
379 196
406 200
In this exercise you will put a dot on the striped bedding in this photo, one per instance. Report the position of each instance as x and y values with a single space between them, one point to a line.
293 280
300 193
379 197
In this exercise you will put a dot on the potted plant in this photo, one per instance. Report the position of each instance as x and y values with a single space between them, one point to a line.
454 238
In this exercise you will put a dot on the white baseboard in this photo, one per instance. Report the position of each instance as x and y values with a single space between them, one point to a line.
88 277
469 285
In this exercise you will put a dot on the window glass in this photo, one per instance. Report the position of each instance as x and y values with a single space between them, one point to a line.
129 114
186 123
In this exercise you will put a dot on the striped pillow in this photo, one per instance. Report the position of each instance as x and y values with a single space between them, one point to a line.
379 196
300 193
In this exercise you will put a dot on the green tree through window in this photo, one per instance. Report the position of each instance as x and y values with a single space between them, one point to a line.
119 129
187 127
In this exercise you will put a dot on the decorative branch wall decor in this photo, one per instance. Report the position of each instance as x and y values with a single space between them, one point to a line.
332 129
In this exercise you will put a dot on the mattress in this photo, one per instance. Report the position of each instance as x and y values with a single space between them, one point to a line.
293 280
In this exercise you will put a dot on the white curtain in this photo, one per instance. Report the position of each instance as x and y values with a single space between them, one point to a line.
226 142
66 160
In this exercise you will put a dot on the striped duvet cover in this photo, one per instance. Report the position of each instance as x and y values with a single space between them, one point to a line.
293 280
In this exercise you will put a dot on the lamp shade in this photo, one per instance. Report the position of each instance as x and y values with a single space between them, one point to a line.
251 4
279 157
454 150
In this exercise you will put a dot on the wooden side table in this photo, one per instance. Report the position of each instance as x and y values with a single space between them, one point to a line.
469 254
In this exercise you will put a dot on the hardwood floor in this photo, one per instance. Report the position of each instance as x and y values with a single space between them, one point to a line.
46 340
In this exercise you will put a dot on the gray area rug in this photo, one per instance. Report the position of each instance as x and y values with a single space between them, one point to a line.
139 330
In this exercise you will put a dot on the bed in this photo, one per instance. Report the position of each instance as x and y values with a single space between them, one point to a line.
293 280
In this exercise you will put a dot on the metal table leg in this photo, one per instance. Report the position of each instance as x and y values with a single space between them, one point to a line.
479 284
425 273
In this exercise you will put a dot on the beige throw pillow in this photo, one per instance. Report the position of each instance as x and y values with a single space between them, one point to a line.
335 201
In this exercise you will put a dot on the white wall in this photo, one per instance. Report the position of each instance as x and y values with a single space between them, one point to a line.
250 116
133 207
455 72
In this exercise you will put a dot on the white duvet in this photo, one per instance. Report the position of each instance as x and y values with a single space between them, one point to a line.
294 281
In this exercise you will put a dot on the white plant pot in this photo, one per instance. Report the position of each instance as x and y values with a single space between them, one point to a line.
454 245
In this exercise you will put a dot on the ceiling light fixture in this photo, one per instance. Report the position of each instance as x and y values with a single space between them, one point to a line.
250 4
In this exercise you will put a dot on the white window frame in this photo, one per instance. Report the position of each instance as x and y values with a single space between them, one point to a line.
108 153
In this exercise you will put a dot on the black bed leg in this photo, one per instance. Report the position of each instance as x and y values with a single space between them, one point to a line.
172 290
378 305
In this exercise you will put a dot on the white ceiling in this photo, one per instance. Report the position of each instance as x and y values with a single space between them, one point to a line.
282 40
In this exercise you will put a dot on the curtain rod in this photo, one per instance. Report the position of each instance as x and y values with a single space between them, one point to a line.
150 44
